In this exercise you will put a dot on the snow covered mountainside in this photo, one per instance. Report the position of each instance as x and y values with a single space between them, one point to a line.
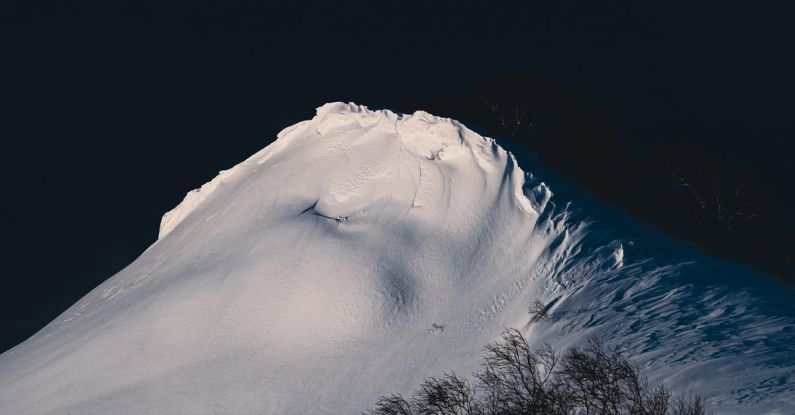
363 251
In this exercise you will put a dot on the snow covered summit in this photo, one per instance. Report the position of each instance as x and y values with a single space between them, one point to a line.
365 250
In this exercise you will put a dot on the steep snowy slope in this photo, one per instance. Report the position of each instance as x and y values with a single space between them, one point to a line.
363 251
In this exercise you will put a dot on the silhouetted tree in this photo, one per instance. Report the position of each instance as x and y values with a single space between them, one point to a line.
392 405
717 199
538 311
516 380
688 403
448 395
600 380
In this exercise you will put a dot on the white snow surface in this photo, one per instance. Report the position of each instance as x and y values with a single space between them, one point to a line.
365 250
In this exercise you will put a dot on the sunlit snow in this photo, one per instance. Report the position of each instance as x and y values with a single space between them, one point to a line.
365 250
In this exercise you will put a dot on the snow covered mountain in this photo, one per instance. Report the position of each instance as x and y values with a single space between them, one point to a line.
365 250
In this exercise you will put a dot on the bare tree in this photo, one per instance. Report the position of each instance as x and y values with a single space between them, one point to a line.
448 395
538 311
512 119
601 380
516 380
391 405
688 403
716 197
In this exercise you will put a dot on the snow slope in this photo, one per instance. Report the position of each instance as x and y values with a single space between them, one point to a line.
365 250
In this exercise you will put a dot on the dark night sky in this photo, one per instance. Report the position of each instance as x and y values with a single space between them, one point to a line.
113 110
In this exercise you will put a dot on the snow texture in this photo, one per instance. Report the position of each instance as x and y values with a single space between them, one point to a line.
365 250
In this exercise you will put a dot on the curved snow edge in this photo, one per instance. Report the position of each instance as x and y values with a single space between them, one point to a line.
535 202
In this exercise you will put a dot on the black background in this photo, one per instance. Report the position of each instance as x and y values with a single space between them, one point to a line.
113 110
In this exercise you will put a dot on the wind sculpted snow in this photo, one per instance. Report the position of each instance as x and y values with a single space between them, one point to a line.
363 251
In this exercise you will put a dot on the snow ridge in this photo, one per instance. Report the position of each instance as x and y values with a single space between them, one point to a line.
415 131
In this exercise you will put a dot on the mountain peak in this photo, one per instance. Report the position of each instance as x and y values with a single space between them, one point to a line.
377 152
363 251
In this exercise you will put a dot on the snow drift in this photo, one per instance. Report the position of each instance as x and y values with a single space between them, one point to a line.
365 250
